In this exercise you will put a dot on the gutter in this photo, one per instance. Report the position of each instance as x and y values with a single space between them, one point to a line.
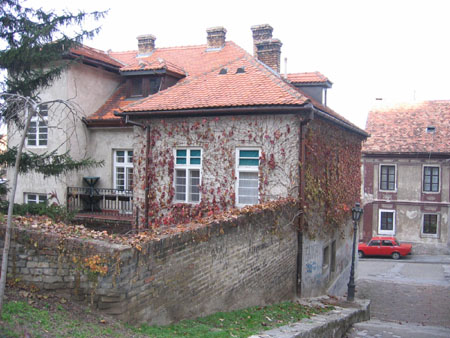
147 162
293 109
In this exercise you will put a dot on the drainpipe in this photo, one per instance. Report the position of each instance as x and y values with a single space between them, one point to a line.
147 159
301 192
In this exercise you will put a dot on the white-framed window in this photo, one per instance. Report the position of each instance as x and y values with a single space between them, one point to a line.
37 135
247 179
388 177
123 169
431 179
32 198
187 175
430 225
386 222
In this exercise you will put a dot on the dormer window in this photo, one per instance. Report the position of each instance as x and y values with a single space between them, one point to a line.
136 87
431 129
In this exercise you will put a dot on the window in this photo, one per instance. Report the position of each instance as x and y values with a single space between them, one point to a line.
387 177
247 169
37 135
188 163
136 87
35 198
430 225
123 169
431 179
387 243
375 243
386 222
326 257
333 257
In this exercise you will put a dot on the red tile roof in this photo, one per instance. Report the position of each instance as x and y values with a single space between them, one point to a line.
203 86
95 54
311 77
402 128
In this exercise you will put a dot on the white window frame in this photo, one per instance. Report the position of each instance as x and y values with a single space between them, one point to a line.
248 169
395 176
438 218
37 119
36 199
188 168
386 232
423 179
127 164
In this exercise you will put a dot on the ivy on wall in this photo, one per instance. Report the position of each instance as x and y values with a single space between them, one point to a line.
332 175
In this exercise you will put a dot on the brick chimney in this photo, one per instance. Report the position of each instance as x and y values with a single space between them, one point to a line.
261 33
146 44
269 52
216 37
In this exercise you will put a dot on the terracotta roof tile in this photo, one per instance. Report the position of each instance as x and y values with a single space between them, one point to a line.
112 105
95 54
311 77
402 128
255 86
151 64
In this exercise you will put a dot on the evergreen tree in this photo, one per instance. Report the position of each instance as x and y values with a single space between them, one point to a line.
34 44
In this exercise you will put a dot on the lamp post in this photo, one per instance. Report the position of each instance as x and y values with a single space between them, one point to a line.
356 215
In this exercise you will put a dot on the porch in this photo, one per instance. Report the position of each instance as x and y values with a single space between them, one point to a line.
103 205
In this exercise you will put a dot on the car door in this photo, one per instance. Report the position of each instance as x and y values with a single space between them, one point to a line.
387 247
373 247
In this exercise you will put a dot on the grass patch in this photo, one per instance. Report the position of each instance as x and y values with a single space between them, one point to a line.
240 323
20 318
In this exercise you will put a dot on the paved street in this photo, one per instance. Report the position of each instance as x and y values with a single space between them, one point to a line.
409 298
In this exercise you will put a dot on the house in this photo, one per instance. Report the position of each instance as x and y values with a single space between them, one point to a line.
406 175
185 132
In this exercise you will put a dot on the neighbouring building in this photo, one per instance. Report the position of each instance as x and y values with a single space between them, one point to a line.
185 132
406 175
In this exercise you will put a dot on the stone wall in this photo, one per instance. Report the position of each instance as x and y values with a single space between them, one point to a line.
246 260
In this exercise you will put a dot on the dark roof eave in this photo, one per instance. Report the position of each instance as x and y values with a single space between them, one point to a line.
103 123
92 61
392 154
269 109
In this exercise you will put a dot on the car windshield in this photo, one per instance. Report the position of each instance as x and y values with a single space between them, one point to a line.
396 241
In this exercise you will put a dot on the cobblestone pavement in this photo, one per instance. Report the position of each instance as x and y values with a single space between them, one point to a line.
407 300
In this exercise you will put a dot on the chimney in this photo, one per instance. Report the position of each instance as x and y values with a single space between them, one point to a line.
261 33
269 51
216 37
146 44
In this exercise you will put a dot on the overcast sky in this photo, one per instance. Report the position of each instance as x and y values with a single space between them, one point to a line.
390 49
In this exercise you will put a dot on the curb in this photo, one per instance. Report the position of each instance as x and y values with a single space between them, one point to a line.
332 324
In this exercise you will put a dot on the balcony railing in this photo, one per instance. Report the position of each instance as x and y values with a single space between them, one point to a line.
100 200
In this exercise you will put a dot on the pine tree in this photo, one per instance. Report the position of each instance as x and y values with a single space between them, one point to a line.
36 45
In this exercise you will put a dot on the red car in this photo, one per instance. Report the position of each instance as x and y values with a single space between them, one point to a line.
384 246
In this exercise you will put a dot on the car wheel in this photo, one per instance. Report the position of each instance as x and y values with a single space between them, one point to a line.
395 255
360 254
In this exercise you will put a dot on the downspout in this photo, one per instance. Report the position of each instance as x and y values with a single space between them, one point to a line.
301 192
147 160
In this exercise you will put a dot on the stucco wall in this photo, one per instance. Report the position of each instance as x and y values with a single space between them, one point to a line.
409 202
87 88
277 137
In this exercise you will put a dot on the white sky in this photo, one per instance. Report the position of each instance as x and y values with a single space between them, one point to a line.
393 49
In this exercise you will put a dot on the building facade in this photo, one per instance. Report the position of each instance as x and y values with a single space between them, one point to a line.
406 175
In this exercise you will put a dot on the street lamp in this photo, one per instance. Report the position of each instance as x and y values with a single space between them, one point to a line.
356 215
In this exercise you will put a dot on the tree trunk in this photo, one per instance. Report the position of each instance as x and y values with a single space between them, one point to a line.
7 242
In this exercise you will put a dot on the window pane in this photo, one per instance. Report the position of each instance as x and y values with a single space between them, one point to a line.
248 188
387 177
195 153
120 178
249 153
430 224
180 185
130 157
120 156
387 221
250 162
129 178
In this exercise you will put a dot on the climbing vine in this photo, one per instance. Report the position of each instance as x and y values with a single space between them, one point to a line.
332 175
218 137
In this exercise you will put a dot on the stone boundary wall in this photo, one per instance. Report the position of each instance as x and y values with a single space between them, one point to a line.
248 260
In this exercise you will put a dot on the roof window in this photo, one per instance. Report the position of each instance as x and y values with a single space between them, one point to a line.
223 71
240 70
431 129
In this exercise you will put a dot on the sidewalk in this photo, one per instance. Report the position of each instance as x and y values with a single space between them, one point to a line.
334 323
431 259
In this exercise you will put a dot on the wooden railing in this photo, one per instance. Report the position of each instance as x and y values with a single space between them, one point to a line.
101 200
